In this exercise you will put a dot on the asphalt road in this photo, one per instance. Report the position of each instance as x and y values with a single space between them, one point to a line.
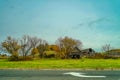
58 75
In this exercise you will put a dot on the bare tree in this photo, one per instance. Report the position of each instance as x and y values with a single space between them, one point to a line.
67 45
106 48
28 43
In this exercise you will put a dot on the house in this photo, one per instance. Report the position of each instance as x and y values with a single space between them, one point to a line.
80 53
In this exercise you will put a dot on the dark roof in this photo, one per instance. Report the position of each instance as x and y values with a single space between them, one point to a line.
85 51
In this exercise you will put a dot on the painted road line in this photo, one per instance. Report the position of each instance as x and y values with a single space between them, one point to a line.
82 75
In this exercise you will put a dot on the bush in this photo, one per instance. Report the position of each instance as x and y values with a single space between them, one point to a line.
27 58
110 57
49 54
102 56
96 56
13 58
20 58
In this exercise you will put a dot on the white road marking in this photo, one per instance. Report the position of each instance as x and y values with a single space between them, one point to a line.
82 75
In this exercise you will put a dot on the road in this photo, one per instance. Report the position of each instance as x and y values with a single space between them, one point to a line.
58 75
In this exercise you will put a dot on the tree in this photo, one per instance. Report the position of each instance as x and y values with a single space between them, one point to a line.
28 43
54 48
106 48
34 52
2 49
12 46
68 45
43 46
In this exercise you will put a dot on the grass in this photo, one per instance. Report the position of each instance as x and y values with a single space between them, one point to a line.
62 64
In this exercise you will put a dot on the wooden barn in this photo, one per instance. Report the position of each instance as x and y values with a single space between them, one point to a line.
80 53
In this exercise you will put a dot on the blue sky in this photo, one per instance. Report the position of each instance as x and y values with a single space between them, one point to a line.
94 22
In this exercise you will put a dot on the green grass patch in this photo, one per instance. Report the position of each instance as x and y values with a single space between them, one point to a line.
62 64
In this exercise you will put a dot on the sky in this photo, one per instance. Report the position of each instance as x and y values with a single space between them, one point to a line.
93 22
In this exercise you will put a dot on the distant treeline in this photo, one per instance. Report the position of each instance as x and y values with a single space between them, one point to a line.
29 48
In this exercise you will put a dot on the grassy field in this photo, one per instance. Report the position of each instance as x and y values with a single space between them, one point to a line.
97 64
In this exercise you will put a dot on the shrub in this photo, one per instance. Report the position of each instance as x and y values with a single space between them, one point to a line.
27 58
110 57
49 54
96 56
102 56
20 58
13 58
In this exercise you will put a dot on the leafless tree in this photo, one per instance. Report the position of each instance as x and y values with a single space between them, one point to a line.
28 43
106 48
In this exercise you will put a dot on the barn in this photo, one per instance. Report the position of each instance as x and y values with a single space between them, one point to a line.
80 53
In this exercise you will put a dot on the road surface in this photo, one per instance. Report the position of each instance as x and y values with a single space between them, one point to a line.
58 75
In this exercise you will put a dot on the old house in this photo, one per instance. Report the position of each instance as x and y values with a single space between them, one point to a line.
80 53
